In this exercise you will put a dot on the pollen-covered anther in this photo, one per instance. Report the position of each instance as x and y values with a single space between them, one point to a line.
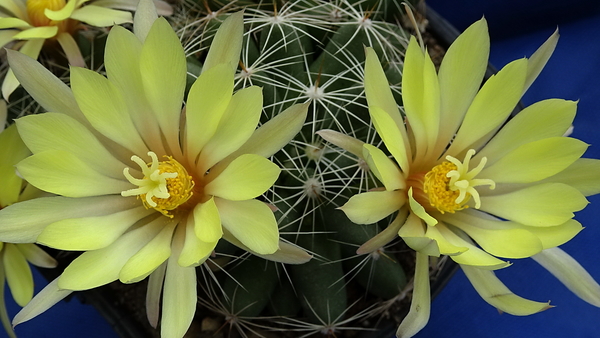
36 11
166 185
450 185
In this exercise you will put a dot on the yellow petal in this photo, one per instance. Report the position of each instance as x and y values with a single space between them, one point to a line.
570 273
207 222
100 16
247 177
153 254
90 233
23 222
163 69
13 23
252 222
71 49
287 253
536 160
18 274
557 235
144 18
348 143
44 300
385 236
460 77
584 175
494 292
195 251
61 14
420 306
179 300
12 150
539 59
383 168
418 209
491 106
36 256
56 171
391 134
104 106
43 32
372 206
227 43
445 245
472 256
54 131
208 98
413 233
236 126
32 49
102 266
543 119
540 205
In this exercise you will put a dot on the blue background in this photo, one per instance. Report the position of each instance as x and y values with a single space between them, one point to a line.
517 28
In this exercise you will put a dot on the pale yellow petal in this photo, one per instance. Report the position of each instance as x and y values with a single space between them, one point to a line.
63 13
419 210
195 251
420 305
385 236
246 177
535 161
23 222
38 33
472 256
44 300
227 43
18 274
100 16
207 222
152 255
56 171
104 106
71 49
54 131
413 233
538 60
144 18
391 134
36 256
32 49
348 143
12 150
287 253
252 222
372 206
90 233
540 205
584 175
493 291
383 168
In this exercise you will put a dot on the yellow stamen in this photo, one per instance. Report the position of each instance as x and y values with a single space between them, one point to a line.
166 185
36 8
450 185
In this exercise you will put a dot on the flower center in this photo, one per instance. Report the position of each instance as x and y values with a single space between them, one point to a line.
450 185
36 8
166 185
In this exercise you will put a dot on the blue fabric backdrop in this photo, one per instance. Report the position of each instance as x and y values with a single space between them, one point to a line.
517 28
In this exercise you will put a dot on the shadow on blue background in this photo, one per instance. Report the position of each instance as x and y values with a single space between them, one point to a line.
517 28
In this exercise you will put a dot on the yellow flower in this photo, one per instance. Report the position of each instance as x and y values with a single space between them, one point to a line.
146 188
30 23
462 182
14 257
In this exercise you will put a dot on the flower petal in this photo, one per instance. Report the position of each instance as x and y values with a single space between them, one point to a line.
150 257
45 88
18 274
13 23
535 161
162 8
383 168
420 306
179 299
473 256
287 253
540 205
391 134
103 105
584 175
44 300
460 77
42 32
557 235
348 143
100 16
413 233
36 256
102 266
54 131
235 128
246 177
491 106
55 171
208 98
372 206
377 89
538 60
207 222
385 236
419 210
543 119
493 291
63 13
163 69
570 273
71 49
32 49
90 233
144 18
12 150
155 286
195 251
227 43
252 222
23 222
